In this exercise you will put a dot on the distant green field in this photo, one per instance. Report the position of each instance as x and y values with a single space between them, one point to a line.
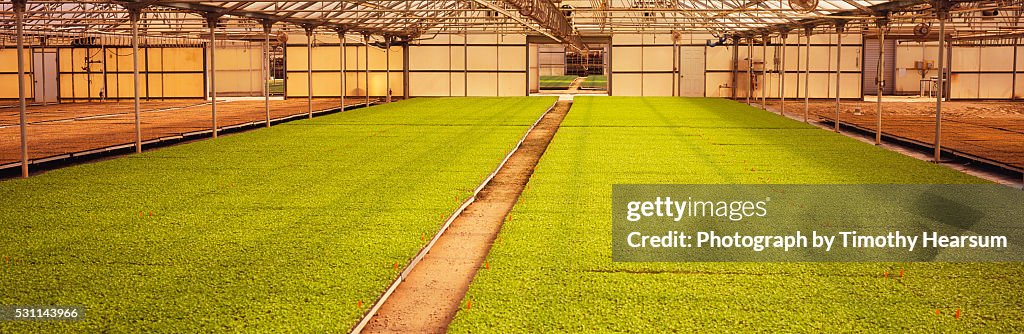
273 230
557 82
595 82
277 86
550 270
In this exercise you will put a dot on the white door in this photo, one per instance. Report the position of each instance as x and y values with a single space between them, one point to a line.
44 66
691 71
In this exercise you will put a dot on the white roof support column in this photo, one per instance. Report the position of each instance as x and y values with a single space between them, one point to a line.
750 65
267 26
840 27
808 31
366 42
211 22
764 71
942 13
309 70
782 72
341 48
134 13
883 24
19 22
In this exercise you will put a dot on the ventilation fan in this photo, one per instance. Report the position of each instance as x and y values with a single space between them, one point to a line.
922 29
803 5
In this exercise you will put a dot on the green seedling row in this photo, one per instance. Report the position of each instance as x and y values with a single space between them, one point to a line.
550 269
285 229
556 81
595 82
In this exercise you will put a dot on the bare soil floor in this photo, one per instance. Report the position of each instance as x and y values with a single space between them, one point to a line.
985 129
56 130
428 299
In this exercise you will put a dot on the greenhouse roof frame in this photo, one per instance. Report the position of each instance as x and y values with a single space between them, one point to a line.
411 19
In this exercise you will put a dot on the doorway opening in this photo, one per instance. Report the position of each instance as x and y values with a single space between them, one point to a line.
556 69
44 74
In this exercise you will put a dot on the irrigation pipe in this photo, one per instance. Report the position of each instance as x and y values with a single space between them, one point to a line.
358 328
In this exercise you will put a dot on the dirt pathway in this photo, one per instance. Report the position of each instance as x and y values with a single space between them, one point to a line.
426 302
574 87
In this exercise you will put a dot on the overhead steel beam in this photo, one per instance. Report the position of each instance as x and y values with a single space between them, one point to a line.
823 20
516 18
859 6
550 17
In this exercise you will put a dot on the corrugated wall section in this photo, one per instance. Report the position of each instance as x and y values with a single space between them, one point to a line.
871 56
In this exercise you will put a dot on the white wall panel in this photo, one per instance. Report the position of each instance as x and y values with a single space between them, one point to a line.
483 84
627 84
966 59
651 39
511 58
482 39
516 39
626 59
458 80
632 39
355 83
720 58
656 58
822 58
1019 87
996 58
429 84
964 86
483 58
437 69
657 84
715 80
995 85
512 84
430 58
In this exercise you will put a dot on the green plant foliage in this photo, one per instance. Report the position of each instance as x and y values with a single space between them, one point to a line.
550 270
273 230
556 81
276 86
595 82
